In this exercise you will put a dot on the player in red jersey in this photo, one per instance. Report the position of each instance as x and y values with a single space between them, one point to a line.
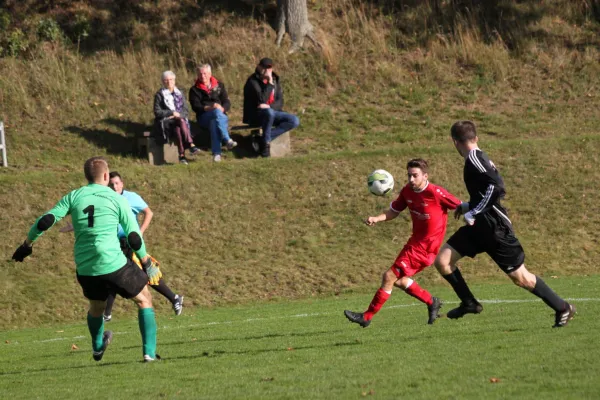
428 205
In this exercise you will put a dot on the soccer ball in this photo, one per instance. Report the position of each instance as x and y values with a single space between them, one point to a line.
380 182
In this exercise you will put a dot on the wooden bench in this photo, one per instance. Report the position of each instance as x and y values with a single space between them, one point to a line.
157 154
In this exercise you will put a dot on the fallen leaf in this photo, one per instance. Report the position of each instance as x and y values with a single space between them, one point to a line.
7 342
194 339
494 380
267 379
121 114
59 331
290 349
74 347
554 276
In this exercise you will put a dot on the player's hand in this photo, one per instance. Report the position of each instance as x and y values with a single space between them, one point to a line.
22 251
469 218
152 270
176 114
371 221
461 209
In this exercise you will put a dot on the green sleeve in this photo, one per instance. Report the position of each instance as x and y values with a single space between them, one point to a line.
59 211
130 224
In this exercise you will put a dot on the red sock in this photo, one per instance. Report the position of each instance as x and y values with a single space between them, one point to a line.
419 293
378 301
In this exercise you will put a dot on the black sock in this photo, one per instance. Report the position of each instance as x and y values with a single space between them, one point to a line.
544 292
110 300
163 289
459 285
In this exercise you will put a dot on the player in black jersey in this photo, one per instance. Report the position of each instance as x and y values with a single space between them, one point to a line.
488 230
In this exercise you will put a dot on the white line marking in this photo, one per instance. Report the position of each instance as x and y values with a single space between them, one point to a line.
167 327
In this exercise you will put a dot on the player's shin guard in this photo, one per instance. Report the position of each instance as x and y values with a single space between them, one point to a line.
548 295
378 301
418 293
96 327
147 323
459 285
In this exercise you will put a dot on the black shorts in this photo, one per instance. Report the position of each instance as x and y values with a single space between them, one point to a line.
491 235
127 281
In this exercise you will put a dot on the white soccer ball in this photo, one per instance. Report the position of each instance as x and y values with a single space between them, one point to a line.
380 182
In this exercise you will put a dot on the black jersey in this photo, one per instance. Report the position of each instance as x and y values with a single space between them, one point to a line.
485 186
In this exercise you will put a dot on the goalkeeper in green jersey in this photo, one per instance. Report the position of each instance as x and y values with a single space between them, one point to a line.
96 212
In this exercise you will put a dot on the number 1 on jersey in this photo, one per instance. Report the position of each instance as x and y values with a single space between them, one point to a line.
89 210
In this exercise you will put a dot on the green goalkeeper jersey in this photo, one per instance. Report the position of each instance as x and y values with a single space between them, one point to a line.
96 212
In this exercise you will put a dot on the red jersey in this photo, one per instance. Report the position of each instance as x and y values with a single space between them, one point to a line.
429 212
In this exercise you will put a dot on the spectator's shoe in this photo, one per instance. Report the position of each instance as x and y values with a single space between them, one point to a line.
562 318
178 304
266 150
434 310
106 339
183 160
231 144
107 318
217 158
465 307
148 359
194 150
357 318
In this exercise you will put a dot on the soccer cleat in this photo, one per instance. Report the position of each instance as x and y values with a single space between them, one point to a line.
563 317
358 318
194 150
106 339
178 304
434 309
217 158
231 144
147 358
183 160
470 307
107 318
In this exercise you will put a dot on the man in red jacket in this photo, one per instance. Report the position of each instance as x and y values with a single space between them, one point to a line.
210 101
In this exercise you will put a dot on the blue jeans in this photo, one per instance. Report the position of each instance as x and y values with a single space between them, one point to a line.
276 123
216 122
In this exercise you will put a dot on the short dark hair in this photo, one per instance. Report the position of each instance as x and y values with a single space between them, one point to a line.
94 168
418 163
463 131
115 174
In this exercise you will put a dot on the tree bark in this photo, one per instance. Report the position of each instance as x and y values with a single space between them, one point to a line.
292 18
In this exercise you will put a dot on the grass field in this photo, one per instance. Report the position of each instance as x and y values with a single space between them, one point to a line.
307 349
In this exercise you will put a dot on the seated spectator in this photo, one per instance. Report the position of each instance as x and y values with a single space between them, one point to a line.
263 104
210 101
171 117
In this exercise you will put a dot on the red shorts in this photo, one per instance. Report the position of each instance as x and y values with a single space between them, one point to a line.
411 261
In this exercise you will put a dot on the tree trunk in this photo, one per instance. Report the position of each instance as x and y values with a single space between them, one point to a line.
292 18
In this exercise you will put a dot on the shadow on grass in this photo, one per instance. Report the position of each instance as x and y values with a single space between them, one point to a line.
113 142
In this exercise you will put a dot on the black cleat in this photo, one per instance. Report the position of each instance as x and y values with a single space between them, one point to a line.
471 307
563 317
434 309
106 339
357 318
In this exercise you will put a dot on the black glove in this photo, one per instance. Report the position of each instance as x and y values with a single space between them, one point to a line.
22 251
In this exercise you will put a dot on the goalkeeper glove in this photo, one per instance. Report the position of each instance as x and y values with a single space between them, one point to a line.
22 251
152 271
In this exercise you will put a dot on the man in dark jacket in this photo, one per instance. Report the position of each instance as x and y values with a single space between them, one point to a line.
210 101
263 103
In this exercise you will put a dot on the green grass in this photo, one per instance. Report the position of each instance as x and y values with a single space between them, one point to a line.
307 349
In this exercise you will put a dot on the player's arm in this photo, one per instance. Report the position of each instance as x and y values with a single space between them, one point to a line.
395 209
131 229
446 199
41 225
148 214
487 176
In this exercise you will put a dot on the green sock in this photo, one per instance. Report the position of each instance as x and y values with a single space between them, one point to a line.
96 327
148 330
